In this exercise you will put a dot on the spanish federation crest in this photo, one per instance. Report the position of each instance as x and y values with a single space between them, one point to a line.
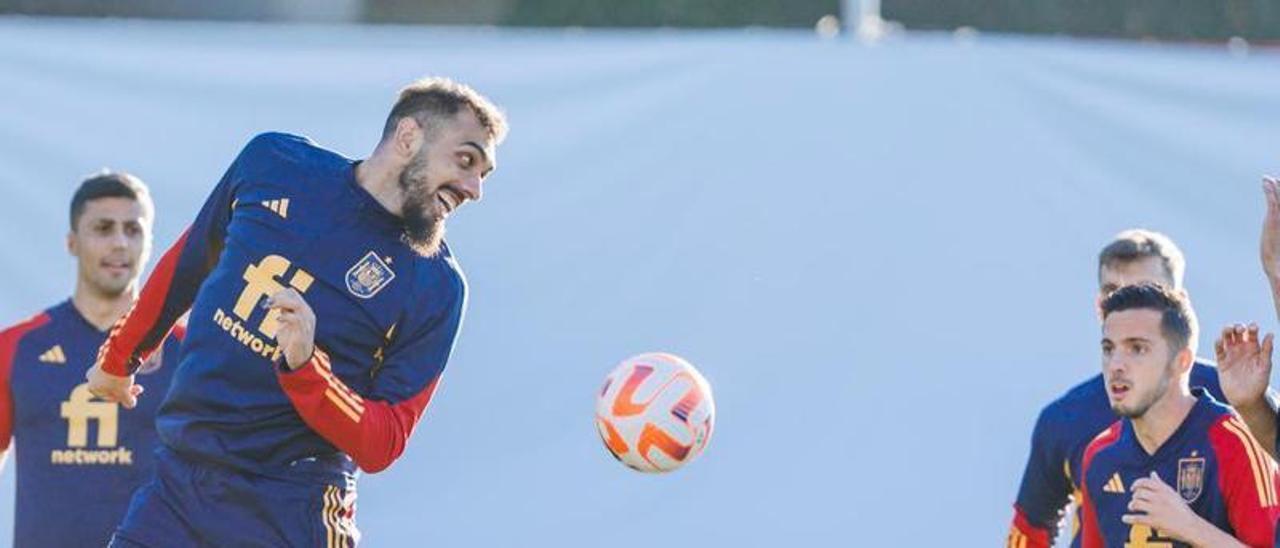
369 276
1190 478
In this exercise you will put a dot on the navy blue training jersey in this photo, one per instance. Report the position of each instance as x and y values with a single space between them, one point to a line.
290 214
79 459
1063 430
1211 460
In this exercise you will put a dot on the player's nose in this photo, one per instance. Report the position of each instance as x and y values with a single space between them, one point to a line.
1109 361
471 187
119 240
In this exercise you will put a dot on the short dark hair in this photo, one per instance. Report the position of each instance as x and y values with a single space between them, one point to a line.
1137 244
110 184
441 97
1177 320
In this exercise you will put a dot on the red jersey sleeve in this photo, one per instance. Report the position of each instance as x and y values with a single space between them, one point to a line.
9 340
373 427
1022 534
1247 478
173 285
373 432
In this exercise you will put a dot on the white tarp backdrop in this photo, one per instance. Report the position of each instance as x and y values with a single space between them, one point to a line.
881 257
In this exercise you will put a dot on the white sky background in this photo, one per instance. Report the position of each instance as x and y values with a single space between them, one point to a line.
880 257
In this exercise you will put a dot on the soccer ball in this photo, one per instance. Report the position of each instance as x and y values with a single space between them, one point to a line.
655 412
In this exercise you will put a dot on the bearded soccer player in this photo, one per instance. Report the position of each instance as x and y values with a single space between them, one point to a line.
79 459
324 306
1066 425
1169 430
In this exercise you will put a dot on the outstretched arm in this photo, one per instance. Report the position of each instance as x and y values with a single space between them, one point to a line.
167 295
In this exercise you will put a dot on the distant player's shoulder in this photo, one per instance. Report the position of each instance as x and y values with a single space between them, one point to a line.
25 325
1082 399
14 332
1204 372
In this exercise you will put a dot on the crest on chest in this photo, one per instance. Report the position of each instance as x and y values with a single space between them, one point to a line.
368 276
1191 478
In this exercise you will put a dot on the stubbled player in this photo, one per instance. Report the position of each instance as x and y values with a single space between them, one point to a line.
1157 505
1169 430
324 306
79 458
1066 425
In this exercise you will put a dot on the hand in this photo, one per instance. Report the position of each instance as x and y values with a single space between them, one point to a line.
1162 509
1244 365
297 332
113 388
1271 229
1165 511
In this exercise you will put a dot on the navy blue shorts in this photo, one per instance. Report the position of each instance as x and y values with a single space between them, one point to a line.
189 502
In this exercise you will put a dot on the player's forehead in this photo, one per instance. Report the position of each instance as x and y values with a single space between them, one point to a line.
1143 270
1137 323
463 131
113 209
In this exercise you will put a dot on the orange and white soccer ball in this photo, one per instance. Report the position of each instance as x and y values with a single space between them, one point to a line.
655 412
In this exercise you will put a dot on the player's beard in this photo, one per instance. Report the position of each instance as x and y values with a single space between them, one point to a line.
1140 408
423 229
107 288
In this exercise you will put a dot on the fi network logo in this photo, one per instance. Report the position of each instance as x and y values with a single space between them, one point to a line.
80 410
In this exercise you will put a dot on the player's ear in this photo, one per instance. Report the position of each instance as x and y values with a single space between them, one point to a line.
407 137
72 248
1186 357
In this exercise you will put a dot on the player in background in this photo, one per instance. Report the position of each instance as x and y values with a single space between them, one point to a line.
1066 425
79 459
324 306
1169 430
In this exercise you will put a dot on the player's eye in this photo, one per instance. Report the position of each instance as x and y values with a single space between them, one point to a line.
467 160
132 229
